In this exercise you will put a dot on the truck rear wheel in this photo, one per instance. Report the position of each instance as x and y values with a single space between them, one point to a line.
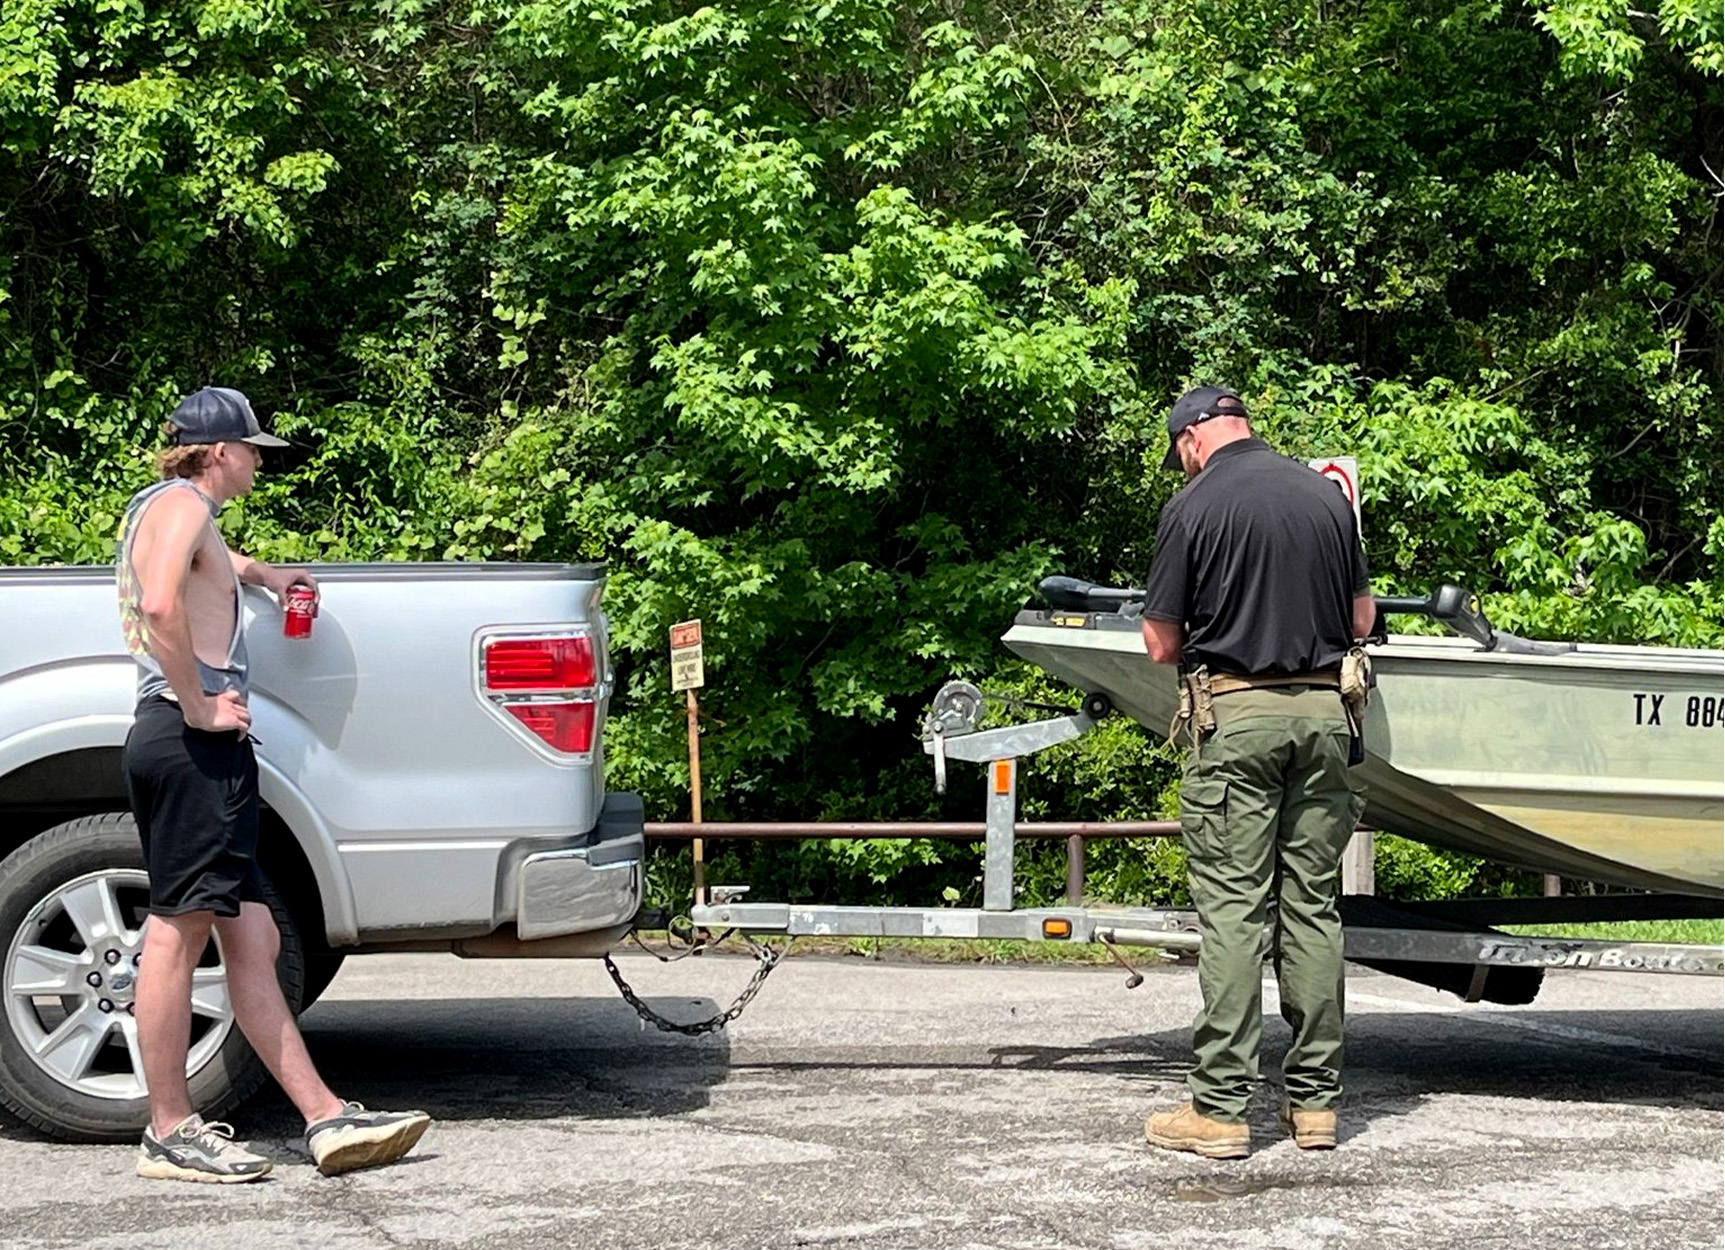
320 970
72 906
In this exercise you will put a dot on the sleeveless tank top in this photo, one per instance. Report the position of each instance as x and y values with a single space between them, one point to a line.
151 680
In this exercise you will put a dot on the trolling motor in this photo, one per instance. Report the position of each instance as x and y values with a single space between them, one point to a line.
1458 611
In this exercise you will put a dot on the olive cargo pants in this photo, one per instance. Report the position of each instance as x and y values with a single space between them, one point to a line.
1266 809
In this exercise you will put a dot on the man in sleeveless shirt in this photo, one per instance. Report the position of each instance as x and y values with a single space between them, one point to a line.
1258 589
192 781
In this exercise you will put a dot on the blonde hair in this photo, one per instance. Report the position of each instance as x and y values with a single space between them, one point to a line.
177 461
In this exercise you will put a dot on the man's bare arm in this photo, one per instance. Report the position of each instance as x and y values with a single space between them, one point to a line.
1163 640
254 572
170 533
1365 615
248 570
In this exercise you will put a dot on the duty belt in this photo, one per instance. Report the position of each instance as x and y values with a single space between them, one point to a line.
1227 683
1200 687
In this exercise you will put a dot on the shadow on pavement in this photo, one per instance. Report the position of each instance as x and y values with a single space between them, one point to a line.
512 1059
1396 1061
1125 1057
583 1057
1665 1058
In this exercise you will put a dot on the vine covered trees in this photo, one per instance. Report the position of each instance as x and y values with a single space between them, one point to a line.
839 324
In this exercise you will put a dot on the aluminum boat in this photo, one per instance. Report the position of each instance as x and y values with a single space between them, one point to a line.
1604 763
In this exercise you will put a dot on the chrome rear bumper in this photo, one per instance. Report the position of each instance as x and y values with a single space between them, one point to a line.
583 888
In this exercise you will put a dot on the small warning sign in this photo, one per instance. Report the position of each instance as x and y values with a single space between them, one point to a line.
1344 471
687 672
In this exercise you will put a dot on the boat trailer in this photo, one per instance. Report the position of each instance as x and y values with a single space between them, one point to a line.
1464 957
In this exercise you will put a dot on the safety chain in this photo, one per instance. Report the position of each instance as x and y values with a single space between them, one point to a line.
767 958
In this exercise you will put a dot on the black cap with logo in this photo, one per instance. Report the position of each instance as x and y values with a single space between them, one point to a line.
219 414
1198 404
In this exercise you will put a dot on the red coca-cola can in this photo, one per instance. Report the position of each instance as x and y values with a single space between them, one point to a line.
296 616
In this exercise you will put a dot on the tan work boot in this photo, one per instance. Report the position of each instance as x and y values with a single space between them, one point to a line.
1190 1129
1312 1130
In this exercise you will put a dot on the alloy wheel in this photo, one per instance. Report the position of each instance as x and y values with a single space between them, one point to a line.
70 983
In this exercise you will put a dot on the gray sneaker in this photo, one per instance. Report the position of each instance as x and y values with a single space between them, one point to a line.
199 1152
358 1138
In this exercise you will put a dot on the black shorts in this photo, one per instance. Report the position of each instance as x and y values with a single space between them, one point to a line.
194 794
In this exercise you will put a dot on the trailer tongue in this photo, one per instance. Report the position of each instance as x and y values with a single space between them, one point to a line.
1549 784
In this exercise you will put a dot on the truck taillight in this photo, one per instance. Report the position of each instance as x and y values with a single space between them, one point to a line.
549 685
539 664
566 727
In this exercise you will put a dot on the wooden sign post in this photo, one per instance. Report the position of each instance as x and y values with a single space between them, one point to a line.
688 674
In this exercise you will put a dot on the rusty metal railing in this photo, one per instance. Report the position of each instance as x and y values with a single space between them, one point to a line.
1076 832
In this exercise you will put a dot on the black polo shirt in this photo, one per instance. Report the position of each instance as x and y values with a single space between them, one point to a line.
1259 559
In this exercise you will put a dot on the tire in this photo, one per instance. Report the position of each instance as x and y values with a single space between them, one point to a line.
72 906
320 970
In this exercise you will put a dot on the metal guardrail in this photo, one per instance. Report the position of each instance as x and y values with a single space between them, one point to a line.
957 830
1074 831
1356 866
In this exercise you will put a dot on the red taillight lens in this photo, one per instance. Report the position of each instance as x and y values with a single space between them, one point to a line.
539 664
514 671
566 727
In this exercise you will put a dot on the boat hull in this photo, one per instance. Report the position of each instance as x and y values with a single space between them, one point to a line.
1605 763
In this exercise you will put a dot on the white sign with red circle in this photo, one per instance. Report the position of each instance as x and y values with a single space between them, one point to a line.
1344 471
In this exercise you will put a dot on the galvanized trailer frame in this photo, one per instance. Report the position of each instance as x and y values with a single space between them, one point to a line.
1459 956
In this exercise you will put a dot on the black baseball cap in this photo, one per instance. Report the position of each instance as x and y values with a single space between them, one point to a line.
1199 404
219 414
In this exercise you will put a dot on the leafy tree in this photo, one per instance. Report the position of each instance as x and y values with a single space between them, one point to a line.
837 325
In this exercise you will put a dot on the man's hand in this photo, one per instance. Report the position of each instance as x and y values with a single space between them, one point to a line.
226 713
278 581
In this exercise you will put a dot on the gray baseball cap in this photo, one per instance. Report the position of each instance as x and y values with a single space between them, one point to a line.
220 414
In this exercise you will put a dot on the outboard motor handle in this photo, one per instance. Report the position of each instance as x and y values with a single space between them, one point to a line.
1082 596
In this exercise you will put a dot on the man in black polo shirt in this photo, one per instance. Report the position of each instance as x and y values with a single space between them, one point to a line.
1258 590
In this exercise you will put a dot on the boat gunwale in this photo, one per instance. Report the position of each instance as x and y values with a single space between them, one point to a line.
1674 661
1479 782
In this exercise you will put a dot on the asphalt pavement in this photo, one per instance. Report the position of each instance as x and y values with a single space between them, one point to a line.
897 1105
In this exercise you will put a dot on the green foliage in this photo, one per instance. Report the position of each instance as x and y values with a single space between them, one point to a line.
1687 932
1409 870
1610 39
838 324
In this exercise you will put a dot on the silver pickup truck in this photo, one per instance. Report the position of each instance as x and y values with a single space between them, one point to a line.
432 776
